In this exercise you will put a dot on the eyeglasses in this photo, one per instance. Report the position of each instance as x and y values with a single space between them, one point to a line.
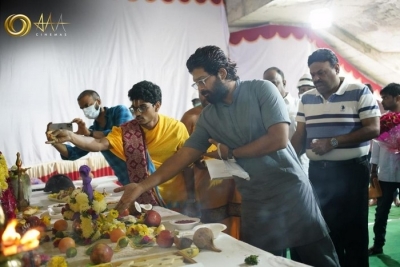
141 109
200 82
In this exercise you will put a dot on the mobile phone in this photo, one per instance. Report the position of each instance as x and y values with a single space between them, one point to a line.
60 126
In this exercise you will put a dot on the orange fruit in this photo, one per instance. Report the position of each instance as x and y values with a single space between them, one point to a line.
115 234
65 244
60 225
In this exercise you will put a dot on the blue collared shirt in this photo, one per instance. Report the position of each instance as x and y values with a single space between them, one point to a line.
115 116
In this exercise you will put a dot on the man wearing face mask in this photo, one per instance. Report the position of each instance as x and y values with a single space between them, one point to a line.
144 144
104 119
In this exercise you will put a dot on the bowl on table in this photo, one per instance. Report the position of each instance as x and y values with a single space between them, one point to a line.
78 183
185 224
108 188
216 228
56 208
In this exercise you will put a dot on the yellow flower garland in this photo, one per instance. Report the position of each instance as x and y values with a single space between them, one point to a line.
79 202
3 173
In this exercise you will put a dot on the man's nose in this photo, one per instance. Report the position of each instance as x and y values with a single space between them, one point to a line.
201 86
315 78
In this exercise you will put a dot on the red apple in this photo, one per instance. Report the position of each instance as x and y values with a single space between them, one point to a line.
101 253
152 218
165 239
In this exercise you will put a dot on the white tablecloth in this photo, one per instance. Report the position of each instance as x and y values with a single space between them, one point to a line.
233 251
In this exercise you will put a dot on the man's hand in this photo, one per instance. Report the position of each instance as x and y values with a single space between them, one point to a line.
321 146
48 132
224 149
372 177
82 129
201 164
59 136
131 192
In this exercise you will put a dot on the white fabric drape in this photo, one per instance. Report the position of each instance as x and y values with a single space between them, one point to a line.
285 47
109 46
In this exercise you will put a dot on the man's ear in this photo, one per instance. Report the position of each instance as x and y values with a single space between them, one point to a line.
222 73
284 82
337 68
157 106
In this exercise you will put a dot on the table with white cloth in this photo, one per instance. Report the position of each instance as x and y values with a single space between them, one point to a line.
233 251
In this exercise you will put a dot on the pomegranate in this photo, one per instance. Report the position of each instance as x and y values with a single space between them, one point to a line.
152 218
101 253
165 239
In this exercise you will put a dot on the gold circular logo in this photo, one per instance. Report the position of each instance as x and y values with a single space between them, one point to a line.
9 25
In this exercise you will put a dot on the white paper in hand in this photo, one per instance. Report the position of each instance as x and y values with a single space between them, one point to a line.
223 169
235 169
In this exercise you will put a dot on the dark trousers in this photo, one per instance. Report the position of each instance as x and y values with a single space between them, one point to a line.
318 254
382 211
341 188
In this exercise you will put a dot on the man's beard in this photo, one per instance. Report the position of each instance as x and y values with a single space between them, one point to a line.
218 94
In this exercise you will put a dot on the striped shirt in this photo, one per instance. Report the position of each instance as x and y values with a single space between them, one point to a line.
340 114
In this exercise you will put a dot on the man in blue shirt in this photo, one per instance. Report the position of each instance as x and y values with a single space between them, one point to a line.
104 119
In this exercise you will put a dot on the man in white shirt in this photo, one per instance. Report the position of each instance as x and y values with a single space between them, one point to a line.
277 77
305 84
386 166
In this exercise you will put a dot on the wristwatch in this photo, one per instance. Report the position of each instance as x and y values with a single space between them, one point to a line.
334 142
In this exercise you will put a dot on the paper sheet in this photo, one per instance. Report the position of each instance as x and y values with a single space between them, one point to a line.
225 169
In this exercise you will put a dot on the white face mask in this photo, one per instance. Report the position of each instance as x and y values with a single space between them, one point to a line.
91 112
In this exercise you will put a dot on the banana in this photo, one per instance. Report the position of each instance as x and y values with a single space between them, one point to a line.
190 252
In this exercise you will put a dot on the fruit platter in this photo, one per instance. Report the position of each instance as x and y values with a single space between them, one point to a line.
61 197
126 240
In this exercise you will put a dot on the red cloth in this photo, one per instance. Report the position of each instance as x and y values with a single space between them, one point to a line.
136 161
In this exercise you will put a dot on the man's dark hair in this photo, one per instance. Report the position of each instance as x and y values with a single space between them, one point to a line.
370 87
392 89
91 93
146 91
322 55
211 59
277 70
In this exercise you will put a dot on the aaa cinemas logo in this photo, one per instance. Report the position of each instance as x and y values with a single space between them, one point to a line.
9 25
47 28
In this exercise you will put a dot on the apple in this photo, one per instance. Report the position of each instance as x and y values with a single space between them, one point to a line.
165 239
152 218
101 253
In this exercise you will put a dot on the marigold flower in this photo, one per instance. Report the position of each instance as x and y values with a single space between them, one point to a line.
87 227
82 198
57 261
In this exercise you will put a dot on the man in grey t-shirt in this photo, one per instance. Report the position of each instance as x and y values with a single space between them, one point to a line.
249 123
